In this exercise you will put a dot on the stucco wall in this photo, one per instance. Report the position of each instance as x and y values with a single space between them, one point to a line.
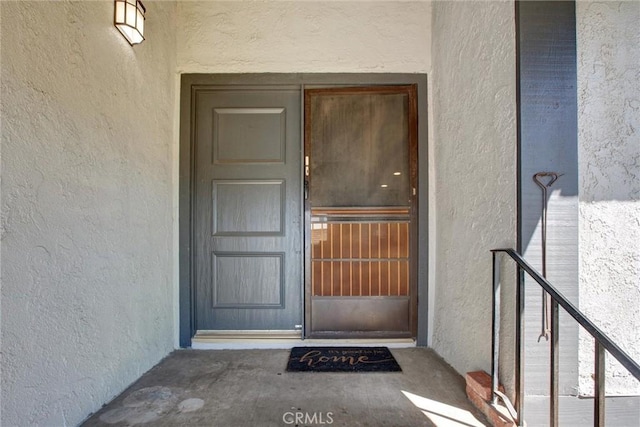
475 166
609 168
304 36
87 136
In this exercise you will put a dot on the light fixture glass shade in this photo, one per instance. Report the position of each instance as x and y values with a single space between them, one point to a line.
129 19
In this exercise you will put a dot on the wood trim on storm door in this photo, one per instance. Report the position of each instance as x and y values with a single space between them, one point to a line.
361 237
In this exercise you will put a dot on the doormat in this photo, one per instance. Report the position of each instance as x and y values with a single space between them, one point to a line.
342 359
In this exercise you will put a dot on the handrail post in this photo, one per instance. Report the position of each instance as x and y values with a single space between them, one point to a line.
555 339
495 327
520 347
599 379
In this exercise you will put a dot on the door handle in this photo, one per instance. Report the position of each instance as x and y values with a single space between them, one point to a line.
306 189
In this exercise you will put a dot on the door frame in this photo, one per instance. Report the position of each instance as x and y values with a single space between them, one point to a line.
191 83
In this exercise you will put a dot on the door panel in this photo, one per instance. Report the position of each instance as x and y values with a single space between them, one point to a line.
362 316
360 147
248 262
359 258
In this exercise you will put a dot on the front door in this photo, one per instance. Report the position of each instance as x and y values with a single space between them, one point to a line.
361 178
247 209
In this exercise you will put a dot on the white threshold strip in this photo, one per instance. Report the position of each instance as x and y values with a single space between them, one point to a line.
253 340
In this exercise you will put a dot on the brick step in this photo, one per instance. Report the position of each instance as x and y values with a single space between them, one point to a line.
479 393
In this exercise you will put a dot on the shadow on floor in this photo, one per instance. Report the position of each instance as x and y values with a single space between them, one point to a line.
230 388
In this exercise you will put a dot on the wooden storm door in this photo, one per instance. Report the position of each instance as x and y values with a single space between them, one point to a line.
247 204
361 173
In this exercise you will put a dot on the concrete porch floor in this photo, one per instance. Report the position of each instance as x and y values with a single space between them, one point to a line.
231 388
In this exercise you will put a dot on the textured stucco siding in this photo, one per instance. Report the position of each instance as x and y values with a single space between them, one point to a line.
608 38
87 137
474 83
304 36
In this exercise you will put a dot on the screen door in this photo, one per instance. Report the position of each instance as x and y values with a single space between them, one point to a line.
360 188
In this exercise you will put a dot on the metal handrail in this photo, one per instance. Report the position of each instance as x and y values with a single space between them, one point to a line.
602 341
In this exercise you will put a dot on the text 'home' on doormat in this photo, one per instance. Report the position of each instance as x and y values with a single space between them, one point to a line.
342 359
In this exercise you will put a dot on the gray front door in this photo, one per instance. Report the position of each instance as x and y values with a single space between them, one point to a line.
247 205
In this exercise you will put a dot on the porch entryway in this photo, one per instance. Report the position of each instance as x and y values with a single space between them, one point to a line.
251 388
300 207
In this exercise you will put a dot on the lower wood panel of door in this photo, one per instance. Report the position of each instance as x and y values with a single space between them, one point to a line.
360 316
